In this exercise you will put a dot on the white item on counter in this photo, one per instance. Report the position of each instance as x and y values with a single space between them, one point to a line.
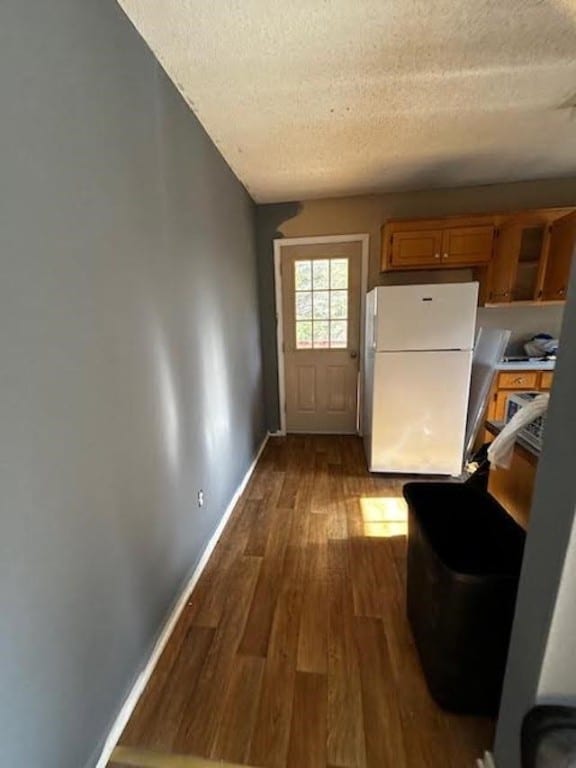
501 450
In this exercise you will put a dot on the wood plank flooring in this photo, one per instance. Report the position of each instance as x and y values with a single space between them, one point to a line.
294 650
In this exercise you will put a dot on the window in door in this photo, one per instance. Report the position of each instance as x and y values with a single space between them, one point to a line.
321 303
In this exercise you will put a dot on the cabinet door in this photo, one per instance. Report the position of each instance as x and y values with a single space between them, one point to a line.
532 245
560 253
416 249
466 246
500 402
502 270
515 271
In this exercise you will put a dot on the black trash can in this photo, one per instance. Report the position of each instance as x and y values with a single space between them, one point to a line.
464 559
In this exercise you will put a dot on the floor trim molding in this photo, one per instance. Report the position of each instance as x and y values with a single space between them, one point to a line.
142 679
126 757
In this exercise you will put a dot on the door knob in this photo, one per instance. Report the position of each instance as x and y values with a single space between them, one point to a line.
353 354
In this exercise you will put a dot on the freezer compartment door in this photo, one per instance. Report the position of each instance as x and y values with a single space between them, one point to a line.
426 317
419 417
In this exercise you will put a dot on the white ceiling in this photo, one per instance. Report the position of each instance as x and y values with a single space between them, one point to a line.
319 98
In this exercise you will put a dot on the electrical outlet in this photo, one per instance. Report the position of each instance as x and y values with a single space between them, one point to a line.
200 498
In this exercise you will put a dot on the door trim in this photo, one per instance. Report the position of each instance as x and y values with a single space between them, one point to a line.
279 243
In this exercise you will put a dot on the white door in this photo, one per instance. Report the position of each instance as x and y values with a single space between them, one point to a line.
419 417
321 325
426 316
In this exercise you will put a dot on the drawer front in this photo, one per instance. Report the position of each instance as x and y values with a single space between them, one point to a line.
546 380
518 380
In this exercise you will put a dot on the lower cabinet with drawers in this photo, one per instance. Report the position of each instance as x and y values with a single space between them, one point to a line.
507 382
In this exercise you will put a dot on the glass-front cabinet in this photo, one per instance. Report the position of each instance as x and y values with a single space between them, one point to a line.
532 258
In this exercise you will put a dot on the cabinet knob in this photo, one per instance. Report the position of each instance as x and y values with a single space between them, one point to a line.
561 291
436 255
445 256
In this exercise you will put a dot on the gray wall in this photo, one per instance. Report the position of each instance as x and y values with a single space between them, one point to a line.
353 215
523 321
543 639
130 371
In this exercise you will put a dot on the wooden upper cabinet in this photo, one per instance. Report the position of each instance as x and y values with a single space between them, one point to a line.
531 247
560 252
523 256
467 246
416 249
532 257
502 271
437 243
516 269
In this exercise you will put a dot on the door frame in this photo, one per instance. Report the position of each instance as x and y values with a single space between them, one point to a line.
280 243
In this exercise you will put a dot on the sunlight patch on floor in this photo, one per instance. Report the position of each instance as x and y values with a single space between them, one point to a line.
384 517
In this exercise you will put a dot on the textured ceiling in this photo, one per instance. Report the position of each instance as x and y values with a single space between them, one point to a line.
315 98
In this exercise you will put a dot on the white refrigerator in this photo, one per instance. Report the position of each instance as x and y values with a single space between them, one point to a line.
417 361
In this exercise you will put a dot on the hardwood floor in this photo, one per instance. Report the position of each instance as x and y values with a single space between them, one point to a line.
294 649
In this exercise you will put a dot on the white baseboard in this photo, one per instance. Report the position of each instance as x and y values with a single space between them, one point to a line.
142 679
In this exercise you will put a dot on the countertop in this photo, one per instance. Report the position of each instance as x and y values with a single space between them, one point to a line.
526 365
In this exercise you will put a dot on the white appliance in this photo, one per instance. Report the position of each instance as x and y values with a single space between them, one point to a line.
533 432
418 357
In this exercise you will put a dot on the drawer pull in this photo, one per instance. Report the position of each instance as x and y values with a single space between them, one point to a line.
518 380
